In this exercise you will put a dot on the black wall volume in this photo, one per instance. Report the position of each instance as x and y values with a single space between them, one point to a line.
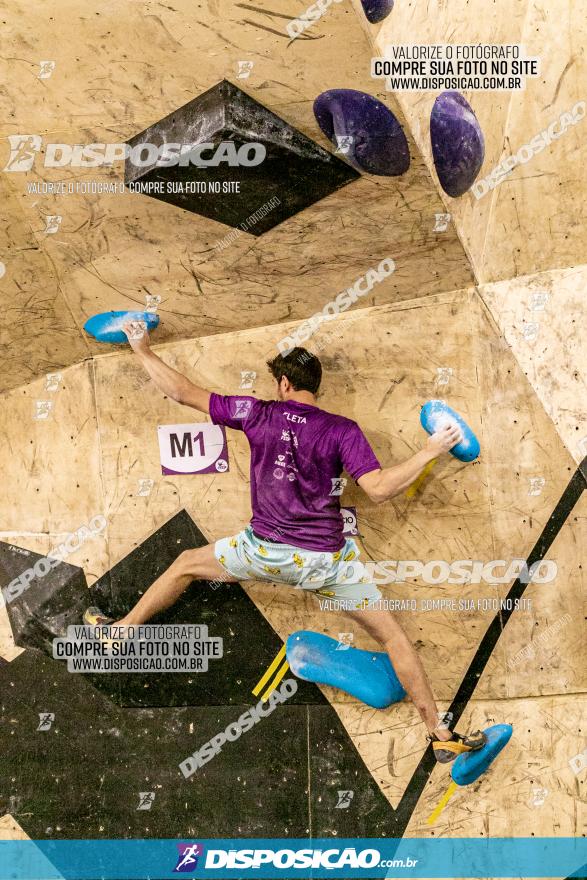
244 166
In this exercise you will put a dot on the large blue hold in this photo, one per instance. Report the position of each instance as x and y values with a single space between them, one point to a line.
376 141
377 10
469 767
458 147
366 675
436 414
107 326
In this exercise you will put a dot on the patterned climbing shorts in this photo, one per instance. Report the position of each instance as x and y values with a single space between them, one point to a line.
337 576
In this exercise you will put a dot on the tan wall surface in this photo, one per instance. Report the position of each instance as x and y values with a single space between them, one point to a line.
102 440
538 214
39 333
380 366
112 250
540 318
473 22
535 219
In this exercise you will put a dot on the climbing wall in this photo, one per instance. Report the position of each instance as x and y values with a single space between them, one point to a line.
485 311
527 234
487 510
112 251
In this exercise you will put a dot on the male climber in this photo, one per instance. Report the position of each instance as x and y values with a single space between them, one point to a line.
298 452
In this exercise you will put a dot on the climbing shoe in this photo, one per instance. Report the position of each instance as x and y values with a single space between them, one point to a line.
94 617
446 751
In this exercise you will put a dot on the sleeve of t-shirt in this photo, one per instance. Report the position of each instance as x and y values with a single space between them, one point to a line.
232 411
355 452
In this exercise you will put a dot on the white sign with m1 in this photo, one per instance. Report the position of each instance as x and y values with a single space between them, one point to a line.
193 449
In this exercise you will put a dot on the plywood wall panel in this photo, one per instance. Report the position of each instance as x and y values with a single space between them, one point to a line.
502 804
540 318
112 250
39 333
52 481
530 470
413 23
538 212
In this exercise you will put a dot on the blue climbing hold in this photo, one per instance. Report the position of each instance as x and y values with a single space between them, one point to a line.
458 147
436 414
366 675
107 326
377 10
364 131
468 767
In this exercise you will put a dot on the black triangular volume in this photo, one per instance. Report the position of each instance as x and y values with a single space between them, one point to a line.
40 605
291 171
346 801
83 775
257 786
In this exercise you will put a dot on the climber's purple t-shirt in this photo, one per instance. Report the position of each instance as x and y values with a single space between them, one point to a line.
298 453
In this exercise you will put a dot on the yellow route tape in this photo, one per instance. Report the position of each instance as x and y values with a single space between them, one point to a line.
413 488
276 681
259 687
442 803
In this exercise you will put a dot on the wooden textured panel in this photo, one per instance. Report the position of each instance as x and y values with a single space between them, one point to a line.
540 318
52 481
535 219
538 215
530 469
476 22
38 333
113 250
537 757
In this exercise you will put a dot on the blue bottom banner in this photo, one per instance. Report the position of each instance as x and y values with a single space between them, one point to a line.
280 857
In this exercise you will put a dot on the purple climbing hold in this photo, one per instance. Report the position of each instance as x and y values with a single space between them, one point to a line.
364 131
458 147
377 10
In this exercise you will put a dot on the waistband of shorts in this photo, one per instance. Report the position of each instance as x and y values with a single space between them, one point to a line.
263 538
297 547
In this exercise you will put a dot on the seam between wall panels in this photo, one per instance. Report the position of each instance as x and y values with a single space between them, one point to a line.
94 389
429 166
481 370
483 275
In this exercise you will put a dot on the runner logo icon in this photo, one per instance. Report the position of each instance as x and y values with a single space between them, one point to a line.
187 860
